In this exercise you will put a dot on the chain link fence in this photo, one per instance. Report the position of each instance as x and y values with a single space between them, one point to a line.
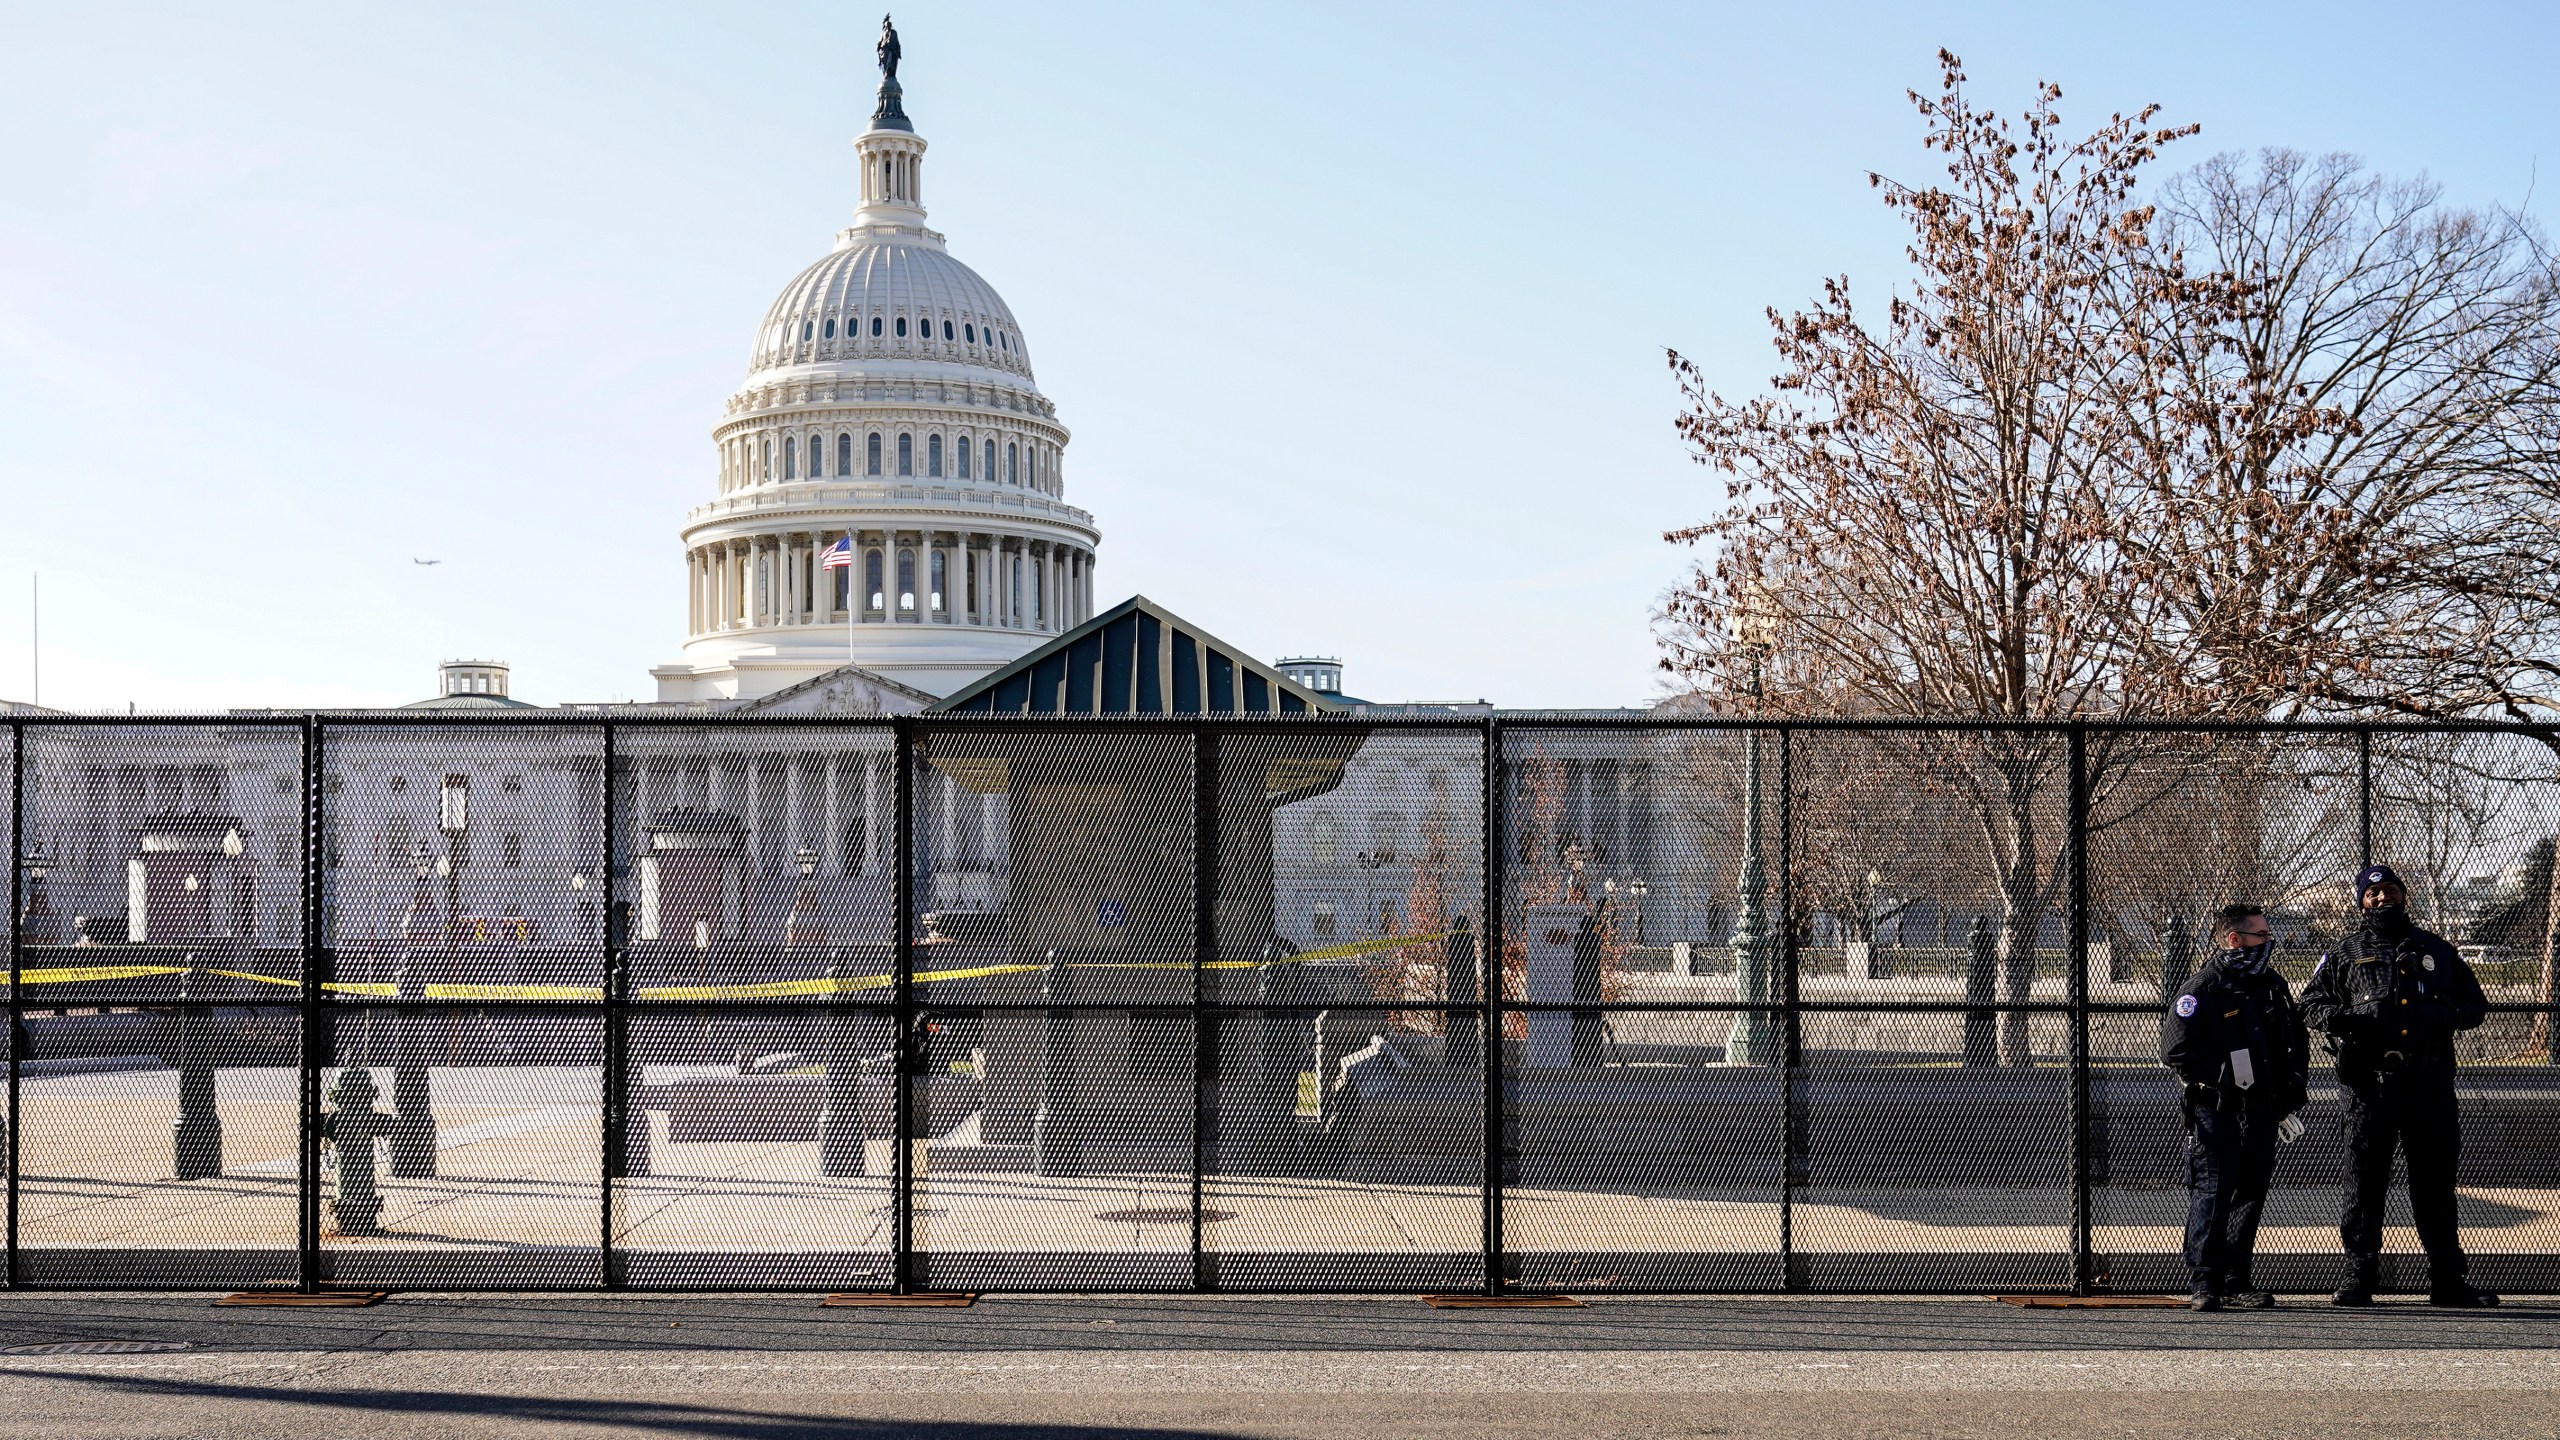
1516 1003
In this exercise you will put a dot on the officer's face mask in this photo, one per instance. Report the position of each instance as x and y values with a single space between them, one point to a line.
2248 959
2390 921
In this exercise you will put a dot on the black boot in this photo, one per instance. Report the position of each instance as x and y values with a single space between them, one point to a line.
2458 1295
2363 1273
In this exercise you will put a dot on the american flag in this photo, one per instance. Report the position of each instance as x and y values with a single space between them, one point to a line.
839 556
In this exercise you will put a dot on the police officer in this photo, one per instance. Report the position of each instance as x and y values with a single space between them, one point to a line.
2237 1040
2388 1002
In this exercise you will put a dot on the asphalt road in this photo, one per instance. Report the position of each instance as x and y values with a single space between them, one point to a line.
779 1368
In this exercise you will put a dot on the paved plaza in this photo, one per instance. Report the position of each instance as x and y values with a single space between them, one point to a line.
518 1171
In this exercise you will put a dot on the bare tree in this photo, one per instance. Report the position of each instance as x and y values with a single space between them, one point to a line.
2284 447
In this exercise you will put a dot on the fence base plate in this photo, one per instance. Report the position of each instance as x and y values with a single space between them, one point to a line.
2093 1302
321 1298
1503 1302
944 1299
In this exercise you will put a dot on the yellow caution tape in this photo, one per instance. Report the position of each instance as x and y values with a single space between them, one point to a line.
766 990
74 974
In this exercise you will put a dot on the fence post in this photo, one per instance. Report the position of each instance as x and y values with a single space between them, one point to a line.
1792 1160
2083 1258
902 956
15 1121
1497 843
1204 948
617 1039
316 955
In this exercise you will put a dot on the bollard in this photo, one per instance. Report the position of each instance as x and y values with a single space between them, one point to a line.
1981 1027
1275 1116
351 1126
1586 991
197 1135
1057 1145
412 1127
1460 1051
840 1135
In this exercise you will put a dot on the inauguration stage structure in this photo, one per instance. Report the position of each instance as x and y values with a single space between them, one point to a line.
1450 1003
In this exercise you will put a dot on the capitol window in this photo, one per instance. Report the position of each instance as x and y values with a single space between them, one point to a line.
902 327
969 333
946 329
1004 340
962 455
1013 464
871 578
933 456
937 580
906 453
790 460
830 331
817 456
766 473
808 329
844 454
875 452
906 580
991 460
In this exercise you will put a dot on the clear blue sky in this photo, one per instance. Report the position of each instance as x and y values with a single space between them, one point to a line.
1357 312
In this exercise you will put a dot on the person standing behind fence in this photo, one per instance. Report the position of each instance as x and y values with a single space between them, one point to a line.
2234 1036
2388 1002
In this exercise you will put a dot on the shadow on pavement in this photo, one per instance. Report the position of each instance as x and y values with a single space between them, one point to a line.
642 1417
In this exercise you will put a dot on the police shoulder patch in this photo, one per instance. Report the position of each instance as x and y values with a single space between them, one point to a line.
2186 1007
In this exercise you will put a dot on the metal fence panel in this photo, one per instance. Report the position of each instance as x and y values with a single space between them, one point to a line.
463 1147
760 1150
464 861
856 1004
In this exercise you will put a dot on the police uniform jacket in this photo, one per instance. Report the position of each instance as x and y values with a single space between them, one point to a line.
2223 1010
2380 1002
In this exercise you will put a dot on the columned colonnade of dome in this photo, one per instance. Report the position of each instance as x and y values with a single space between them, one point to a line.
916 577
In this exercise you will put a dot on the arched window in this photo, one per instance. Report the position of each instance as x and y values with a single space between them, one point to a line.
962 455
902 327
991 462
907 580
808 329
875 327
844 454
1038 592
1004 340
841 581
933 456
817 456
1013 568
969 333
946 329
790 459
871 580
936 601
906 453
765 471
875 453
1013 464
830 331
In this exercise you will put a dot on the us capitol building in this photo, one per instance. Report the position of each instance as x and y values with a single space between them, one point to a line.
889 397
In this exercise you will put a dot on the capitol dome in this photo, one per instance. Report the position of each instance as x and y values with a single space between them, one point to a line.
889 421
880 300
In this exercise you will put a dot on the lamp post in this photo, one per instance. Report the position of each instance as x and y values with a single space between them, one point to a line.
1751 1042
1636 891
37 921
801 927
